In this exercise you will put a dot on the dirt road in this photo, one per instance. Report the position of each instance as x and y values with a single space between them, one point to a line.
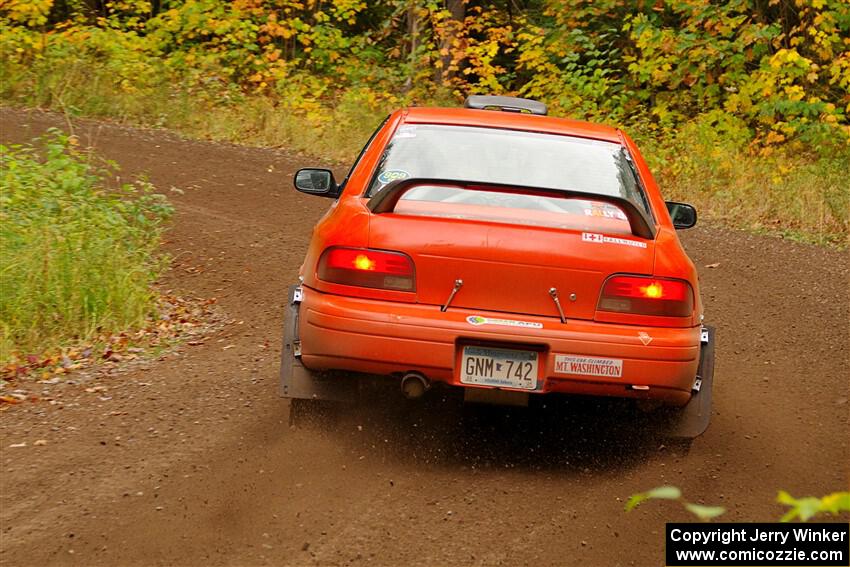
189 460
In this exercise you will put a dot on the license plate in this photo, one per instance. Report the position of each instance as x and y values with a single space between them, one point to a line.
499 367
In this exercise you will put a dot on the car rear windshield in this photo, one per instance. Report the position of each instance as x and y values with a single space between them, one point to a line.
512 157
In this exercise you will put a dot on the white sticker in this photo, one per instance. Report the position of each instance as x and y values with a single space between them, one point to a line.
607 212
588 365
479 320
405 132
594 237
644 337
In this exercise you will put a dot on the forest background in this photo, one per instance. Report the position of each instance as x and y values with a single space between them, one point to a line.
741 105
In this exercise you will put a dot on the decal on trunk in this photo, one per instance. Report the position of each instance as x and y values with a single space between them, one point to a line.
601 238
588 366
479 320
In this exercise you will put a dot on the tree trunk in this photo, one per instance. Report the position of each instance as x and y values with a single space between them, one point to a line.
457 13
413 34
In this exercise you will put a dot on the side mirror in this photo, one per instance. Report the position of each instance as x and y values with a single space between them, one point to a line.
683 214
317 182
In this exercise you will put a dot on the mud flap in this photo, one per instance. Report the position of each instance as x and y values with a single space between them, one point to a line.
298 381
692 420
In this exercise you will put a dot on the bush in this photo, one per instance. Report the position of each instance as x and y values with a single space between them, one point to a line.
711 163
77 258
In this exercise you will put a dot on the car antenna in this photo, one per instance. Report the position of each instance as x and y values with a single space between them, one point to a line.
455 289
554 293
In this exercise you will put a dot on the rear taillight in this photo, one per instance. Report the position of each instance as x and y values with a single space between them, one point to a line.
640 295
367 268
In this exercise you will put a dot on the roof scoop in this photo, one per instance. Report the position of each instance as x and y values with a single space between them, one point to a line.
505 104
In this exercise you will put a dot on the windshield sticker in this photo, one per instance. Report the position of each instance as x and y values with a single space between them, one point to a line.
601 238
588 366
392 175
405 132
479 320
605 211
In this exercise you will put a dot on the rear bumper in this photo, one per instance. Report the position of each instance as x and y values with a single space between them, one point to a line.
381 337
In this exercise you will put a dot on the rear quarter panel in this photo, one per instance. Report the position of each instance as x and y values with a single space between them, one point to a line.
671 260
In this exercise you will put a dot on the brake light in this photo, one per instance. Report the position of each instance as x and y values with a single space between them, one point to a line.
364 262
367 268
641 295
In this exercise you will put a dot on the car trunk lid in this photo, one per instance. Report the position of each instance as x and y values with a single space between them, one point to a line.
508 260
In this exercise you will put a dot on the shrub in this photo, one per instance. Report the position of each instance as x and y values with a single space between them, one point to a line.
77 257
711 163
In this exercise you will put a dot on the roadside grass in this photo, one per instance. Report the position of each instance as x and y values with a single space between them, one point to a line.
786 195
78 255
795 192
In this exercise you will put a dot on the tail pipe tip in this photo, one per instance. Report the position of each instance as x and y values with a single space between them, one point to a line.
414 385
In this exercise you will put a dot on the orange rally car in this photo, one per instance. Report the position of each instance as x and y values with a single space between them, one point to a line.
499 250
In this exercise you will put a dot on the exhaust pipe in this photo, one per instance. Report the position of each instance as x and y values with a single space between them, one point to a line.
414 385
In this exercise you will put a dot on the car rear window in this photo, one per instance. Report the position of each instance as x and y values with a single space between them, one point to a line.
509 208
512 157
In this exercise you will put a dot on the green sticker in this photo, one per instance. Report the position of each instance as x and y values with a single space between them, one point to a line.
392 175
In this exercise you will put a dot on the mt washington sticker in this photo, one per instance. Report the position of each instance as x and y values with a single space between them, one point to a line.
588 365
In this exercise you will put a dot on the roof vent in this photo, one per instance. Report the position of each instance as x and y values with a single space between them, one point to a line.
505 104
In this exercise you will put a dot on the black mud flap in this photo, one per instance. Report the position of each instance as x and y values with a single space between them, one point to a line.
692 420
297 381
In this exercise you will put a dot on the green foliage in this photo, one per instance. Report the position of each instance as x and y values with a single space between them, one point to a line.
657 493
78 257
782 68
709 162
803 508
807 508
704 513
